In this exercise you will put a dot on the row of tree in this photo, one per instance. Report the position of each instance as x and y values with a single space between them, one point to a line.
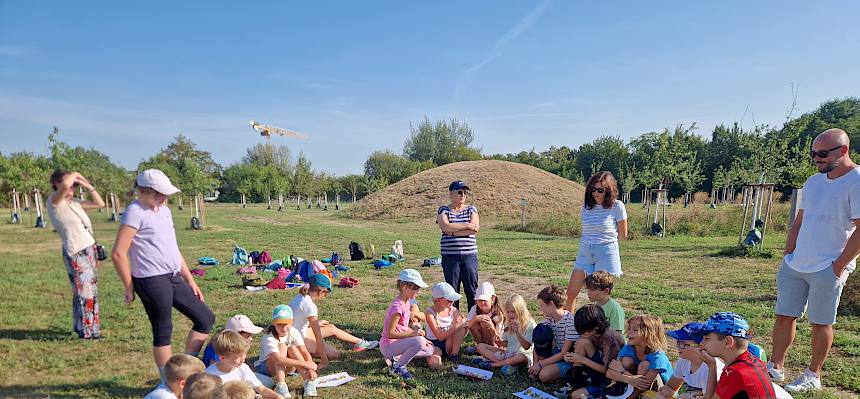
677 159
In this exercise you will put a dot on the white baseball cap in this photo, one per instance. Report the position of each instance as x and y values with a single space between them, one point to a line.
156 180
412 276
445 290
240 322
485 291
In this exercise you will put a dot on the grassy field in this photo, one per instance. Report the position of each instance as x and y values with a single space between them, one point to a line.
677 278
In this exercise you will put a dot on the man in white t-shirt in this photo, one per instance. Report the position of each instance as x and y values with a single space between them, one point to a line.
819 255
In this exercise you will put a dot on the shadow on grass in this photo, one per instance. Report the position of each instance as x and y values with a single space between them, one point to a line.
73 391
744 252
51 334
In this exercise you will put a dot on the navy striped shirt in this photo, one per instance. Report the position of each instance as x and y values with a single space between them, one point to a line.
600 225
452 245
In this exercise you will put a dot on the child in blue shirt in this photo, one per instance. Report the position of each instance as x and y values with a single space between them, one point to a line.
643 359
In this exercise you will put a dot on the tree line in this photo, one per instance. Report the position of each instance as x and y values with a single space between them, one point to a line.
677 159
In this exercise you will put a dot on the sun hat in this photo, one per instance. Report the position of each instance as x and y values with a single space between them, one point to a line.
412 276
445 290
543 339
282 313
687 332
485 291
320 280
156 180
240 323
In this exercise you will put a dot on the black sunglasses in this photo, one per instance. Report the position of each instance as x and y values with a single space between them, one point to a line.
462 192
598 189
823 153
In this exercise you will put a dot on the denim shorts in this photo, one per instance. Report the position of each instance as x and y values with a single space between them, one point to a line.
262 369
599 257
563 366
815 293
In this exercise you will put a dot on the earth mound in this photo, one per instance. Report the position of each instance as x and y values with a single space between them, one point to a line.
496 190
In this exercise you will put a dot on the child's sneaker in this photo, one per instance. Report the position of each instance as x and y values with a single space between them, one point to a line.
808 381
365 345
776 375
310 388
563 392
282 389
508 370
404 374
480 362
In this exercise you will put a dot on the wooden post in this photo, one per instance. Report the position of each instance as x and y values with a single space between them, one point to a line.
202 207
37 199
523 203
744 218
766 215
280 202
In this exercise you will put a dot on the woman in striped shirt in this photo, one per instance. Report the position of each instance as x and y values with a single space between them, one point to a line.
604 222
459 224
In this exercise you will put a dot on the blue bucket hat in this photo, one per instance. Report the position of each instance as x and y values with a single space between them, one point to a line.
543 340
320 280
687 333
726 323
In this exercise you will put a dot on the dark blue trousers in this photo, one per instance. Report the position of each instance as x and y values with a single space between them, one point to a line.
462 269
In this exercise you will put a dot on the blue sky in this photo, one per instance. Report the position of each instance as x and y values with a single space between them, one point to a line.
125 77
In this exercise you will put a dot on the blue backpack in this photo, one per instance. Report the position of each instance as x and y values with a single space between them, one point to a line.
240 256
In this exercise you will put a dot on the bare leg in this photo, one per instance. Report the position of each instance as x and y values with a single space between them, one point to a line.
435 360
516 359
311 344
194 341
161 354
822 339
331 330
276 370
488 352
574 286
549 374
783 335
455 341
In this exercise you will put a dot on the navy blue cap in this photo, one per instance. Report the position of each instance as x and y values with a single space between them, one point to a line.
457 185
543 340
726 323
687 333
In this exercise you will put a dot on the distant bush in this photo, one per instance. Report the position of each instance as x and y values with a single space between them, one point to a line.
701 197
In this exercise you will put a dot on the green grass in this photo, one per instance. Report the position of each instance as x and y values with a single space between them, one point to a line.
677 278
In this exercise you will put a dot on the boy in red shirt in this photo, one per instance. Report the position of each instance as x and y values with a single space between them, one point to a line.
726 335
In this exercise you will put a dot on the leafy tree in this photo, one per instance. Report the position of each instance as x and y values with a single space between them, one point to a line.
392 167
689 176
604 153
303 176
268 154
441 143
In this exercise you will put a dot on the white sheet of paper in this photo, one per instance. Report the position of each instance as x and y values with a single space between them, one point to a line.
533 393
473 372
333 380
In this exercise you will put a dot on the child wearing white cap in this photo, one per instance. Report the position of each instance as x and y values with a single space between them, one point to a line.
400 343
238 323
445 325
486 318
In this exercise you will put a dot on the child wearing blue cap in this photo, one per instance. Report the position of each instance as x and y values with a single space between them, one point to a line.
725 335
691 373
313 330
282 350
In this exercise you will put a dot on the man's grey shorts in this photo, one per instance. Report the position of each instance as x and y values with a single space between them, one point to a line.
818 293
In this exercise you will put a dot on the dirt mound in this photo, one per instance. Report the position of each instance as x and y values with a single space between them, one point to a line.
497 187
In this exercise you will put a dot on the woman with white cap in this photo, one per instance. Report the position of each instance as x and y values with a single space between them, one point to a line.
147 258
459 223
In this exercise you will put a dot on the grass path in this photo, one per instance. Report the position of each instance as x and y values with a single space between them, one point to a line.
676 278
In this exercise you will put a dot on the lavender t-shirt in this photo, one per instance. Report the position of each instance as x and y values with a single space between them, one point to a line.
154 250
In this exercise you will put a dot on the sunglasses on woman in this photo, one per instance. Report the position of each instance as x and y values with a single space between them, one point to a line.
823 153
462 192
597 189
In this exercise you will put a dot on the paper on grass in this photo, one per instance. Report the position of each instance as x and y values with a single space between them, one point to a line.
333 380
533 393
473 372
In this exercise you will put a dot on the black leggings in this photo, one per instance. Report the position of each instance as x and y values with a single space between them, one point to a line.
160 294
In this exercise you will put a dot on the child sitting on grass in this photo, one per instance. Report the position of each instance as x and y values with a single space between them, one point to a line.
306 320
232 349
515 345
201 386
282 350
485 318
400 343
176 372
643 360
597 346
238 323
235 390
725 335
552 367
599 286
691 373
445 325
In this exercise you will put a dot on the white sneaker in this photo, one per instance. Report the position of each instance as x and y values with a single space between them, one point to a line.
310 388
282 389
776 375
808 381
